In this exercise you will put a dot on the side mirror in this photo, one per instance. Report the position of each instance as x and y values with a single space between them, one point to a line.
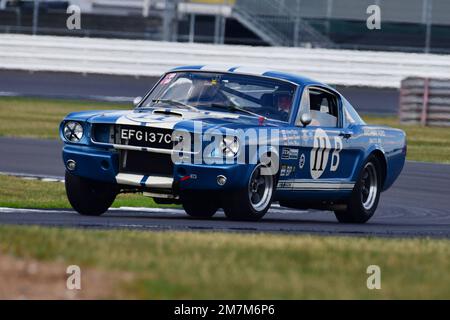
136 101
305 119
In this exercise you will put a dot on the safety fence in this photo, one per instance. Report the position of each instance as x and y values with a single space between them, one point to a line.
151 58
425 101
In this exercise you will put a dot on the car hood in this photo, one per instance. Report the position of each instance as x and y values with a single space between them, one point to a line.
174 119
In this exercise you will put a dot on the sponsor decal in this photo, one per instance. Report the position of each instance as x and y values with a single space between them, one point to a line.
301 162
375 141
321 151
289 154
306 135
168 78
290 137
369 132
284 185
286 171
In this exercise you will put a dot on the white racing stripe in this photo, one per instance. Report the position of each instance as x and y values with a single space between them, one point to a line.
251 70
146 149
150 210
303 184
257 71
165 121
129 179
218 67
141 180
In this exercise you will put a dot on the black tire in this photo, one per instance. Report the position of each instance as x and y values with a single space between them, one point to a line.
243 205
199 205
364 199
87 197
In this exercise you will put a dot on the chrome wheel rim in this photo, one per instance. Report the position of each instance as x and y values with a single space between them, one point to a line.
369 186
260 188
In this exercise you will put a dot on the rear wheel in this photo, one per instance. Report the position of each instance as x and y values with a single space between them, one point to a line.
199 205
252 202
365 195
88 197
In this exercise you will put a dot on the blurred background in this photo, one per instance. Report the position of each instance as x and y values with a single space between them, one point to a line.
407 25
121 47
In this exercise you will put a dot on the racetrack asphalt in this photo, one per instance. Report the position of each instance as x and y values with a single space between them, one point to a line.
418 205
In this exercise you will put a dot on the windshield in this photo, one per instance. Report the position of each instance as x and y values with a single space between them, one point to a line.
249 95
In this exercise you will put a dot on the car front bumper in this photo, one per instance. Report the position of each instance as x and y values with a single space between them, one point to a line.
103 165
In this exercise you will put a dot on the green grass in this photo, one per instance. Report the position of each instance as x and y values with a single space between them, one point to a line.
22 193
180 265
40 118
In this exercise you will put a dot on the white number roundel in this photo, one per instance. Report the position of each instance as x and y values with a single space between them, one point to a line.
319 153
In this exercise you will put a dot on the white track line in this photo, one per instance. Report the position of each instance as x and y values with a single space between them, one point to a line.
128 209
27 176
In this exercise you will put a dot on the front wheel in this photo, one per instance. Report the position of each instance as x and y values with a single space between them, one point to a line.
365 195
87 197
252 202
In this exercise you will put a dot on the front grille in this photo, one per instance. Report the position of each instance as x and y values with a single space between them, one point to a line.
138 161
146 163
103 133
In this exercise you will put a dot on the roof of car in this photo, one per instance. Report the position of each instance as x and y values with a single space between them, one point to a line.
295 78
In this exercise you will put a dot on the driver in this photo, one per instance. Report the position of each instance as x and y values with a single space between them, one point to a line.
205 91
284 102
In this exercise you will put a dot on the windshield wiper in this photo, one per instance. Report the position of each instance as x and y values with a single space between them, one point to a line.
233 107
176 103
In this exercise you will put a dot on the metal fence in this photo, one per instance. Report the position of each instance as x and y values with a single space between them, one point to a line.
425 101
407 25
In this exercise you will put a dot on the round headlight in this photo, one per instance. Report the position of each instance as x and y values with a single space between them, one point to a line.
73 131
229 146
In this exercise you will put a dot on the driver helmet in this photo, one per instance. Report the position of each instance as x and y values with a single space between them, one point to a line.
284 102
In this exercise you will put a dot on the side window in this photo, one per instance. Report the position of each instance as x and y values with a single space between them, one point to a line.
323 108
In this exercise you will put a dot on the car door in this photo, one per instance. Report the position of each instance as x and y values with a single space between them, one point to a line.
324 163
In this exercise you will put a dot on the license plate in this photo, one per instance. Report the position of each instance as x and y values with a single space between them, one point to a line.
146 137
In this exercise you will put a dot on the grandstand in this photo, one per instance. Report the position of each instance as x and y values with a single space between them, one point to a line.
407 25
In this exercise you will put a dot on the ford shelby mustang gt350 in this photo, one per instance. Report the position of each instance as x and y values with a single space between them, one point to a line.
235 138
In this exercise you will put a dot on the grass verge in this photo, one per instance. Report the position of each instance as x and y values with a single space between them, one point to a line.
181 265
40 118
23 193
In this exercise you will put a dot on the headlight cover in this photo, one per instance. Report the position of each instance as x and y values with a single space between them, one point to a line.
229 146
73 131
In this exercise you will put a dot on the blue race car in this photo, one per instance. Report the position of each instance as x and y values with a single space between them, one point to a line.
235 138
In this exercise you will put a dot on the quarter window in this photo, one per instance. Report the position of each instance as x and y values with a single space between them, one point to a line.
323 108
